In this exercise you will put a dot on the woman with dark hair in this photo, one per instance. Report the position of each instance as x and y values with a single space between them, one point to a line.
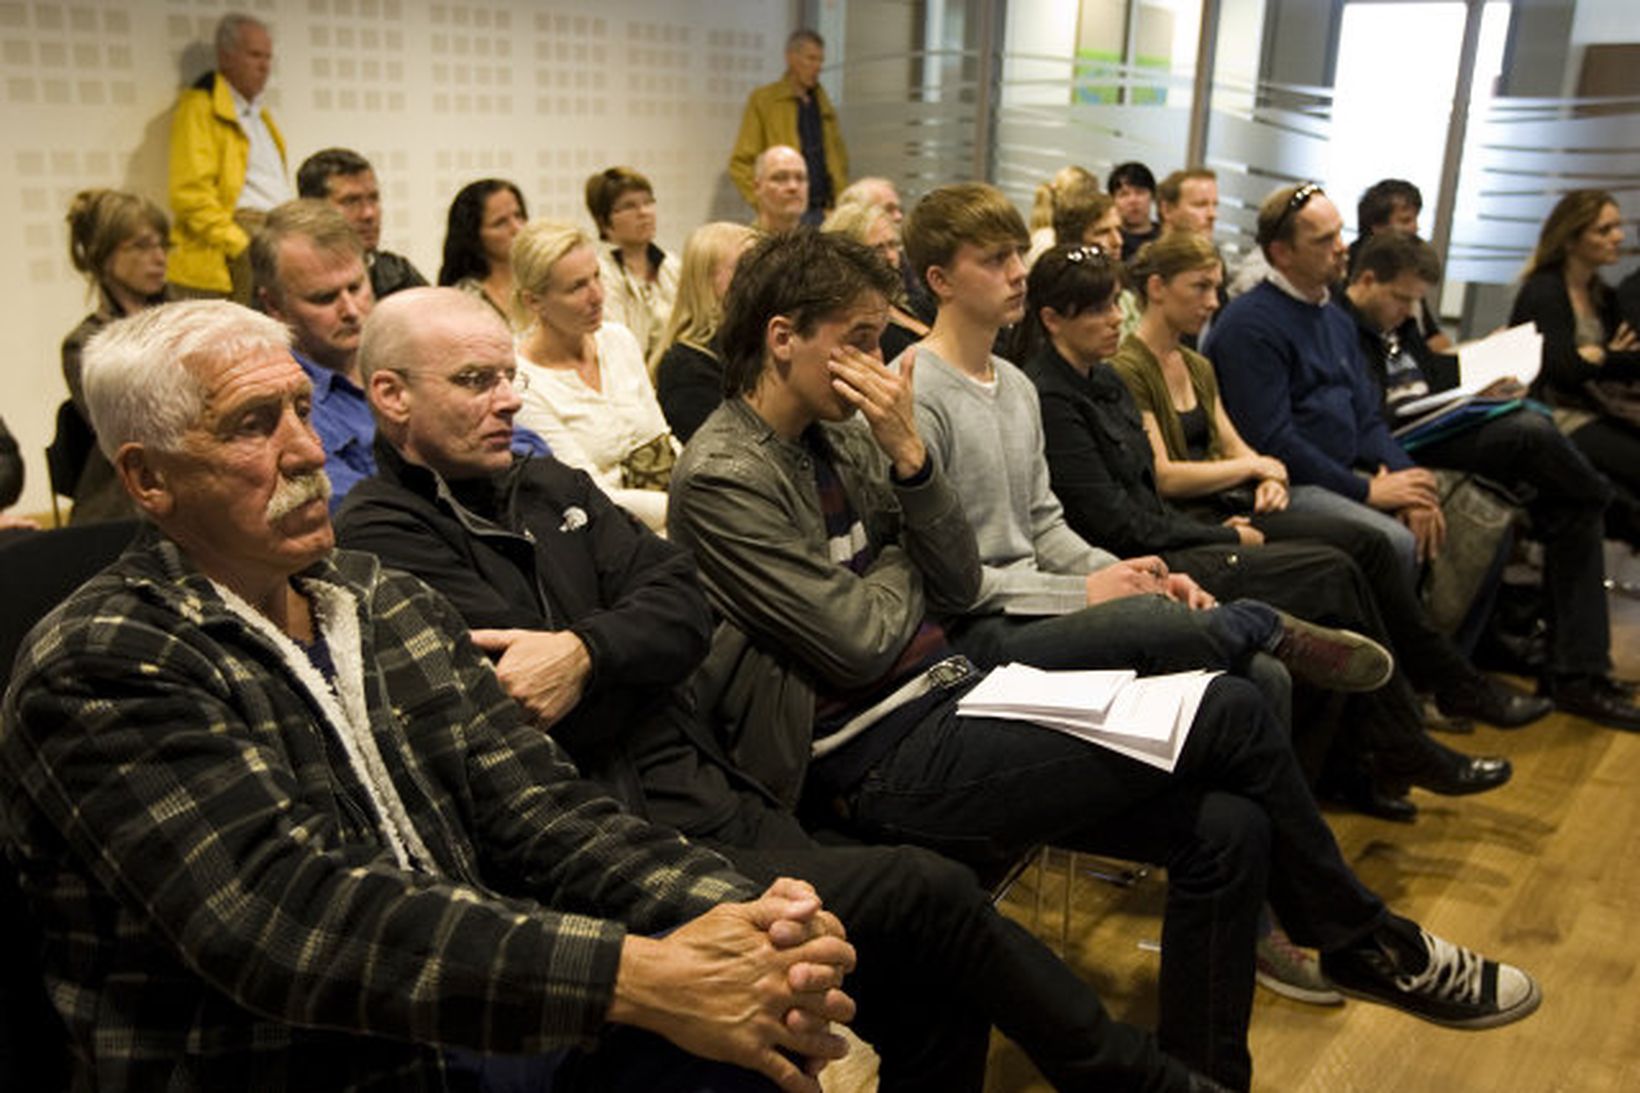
640 279
118 241
1591 357
485 217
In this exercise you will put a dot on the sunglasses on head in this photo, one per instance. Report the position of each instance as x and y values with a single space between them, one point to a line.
1301 197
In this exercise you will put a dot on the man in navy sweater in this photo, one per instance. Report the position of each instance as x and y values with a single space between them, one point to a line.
1290 371
1297 382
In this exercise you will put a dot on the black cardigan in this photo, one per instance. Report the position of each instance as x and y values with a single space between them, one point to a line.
1543 299
1100 465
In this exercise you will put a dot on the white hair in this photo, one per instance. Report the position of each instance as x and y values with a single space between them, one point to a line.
229 27
142 374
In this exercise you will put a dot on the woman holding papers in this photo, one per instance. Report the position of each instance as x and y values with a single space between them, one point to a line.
1591 357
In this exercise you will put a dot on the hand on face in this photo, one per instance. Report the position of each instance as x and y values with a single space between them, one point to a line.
886 400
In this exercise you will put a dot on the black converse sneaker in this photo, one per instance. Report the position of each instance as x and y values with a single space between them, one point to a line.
1405 966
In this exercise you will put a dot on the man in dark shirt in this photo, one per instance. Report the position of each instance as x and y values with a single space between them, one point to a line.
1567 497
795 111
1393 205
1132 187
346 180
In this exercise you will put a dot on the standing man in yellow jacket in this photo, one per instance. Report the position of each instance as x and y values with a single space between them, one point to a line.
794 111
227 165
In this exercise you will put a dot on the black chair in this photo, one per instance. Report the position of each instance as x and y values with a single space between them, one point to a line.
70 447
37 571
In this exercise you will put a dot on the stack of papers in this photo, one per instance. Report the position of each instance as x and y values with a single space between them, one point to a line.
1145 719
1513 353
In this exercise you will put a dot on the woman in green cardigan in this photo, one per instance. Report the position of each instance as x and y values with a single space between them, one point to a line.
1202 463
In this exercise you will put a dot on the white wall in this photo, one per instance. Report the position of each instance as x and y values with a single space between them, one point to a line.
1596 22
544 92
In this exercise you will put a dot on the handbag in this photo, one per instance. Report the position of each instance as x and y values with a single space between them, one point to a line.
1480 521
649 465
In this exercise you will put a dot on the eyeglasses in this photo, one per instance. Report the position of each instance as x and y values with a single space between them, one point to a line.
1301 197
479 382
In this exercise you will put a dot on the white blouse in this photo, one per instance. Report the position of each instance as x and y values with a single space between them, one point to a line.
639 305
596 430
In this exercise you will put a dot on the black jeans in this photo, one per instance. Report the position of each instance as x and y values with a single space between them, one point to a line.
938 965
1567 507
1428 657
624 1060
1234 823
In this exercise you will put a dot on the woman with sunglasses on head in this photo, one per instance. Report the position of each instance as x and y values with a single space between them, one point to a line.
589 393
119 242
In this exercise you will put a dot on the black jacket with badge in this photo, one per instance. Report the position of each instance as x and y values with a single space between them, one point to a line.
540 547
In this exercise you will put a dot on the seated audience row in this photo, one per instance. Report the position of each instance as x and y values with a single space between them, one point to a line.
861 572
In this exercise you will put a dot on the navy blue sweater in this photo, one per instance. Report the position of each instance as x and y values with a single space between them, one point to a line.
1294 382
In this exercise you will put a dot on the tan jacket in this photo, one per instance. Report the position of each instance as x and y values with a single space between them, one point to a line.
770 119
209 152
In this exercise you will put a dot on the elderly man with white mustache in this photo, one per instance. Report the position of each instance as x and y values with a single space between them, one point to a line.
282 828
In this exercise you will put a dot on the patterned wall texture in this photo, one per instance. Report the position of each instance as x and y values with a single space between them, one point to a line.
544 92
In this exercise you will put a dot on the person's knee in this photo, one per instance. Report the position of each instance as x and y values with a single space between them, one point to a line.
1231 847
1274 685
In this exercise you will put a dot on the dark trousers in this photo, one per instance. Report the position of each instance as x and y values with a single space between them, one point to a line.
1320 583
1428 657
1567 507
1233 823
938 966
1613 447
624 1060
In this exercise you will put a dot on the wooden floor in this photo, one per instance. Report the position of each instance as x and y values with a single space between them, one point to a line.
1544 872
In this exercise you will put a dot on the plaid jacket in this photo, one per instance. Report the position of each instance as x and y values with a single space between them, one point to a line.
220 906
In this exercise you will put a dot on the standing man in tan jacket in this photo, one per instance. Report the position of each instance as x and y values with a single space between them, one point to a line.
794 111
227 165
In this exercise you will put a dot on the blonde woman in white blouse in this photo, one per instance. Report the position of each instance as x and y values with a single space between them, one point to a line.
589 396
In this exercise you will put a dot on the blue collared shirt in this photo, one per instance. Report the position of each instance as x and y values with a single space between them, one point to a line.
342 418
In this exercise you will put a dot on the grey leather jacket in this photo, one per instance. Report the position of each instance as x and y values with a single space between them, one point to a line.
745 501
